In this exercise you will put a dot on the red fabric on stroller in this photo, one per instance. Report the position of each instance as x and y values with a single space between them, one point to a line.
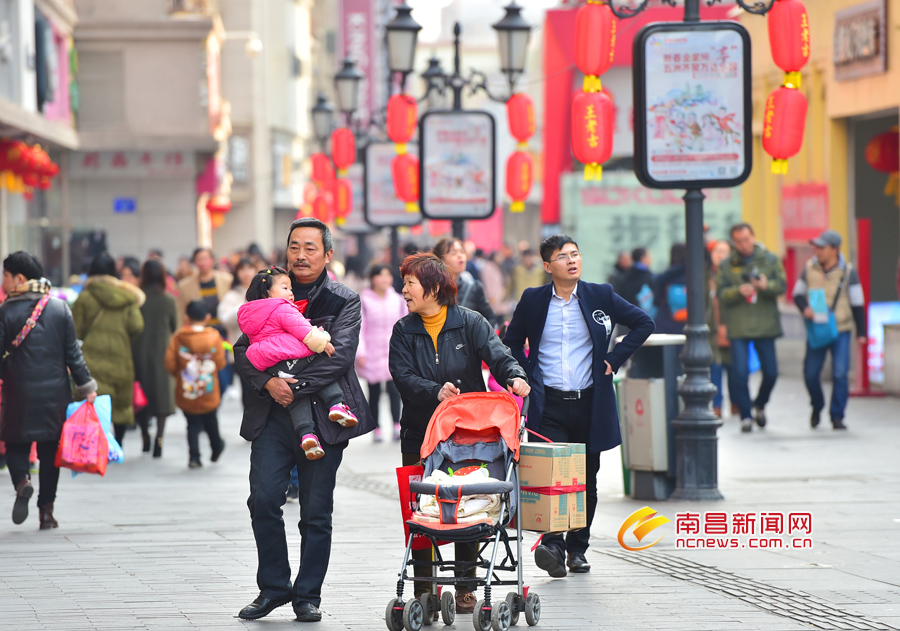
474 417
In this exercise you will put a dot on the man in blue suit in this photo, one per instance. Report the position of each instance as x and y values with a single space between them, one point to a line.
567 325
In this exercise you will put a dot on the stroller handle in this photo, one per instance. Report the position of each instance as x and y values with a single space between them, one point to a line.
525 401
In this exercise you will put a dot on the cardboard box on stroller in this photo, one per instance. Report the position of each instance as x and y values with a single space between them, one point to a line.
543 465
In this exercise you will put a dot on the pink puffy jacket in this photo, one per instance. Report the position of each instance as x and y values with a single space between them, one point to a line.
278 332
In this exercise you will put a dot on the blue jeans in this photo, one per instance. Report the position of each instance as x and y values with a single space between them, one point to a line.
715 375
840 363
740 368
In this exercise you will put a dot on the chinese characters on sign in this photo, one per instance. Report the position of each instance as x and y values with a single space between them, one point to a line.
859 41
137 164
721 530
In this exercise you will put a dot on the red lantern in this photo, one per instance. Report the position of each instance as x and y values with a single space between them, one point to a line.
405 169
595 41
218 204
19 157
322 206
320 166
883 152
593 123
402 117
789 35
519 176
343 149
520 112
28 194
44 183
31 178
783 122
343 198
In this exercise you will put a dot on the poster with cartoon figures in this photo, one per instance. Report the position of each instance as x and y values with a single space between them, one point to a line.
379 201
694 105
458 165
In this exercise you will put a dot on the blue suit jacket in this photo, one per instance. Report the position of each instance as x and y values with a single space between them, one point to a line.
597 302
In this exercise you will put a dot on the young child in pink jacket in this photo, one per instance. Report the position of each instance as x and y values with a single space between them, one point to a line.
279 334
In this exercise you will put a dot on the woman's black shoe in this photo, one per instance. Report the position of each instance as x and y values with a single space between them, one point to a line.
262 607
157 448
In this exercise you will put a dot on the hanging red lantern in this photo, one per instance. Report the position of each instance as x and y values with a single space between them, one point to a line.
783 122
405 170
789 37
218 204
53 169
19 157
44 183
520 113
402 118
519 177
322 206
593 123
320 166
595 41
5 146
343 149
28 194
343 199
883 152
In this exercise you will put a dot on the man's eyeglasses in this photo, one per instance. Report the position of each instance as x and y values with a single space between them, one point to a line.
571 256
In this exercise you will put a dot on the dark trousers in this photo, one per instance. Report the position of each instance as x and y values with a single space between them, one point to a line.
301 409
272 456
463 552
840 365
567 421
740 366
375 398
17 460
197 423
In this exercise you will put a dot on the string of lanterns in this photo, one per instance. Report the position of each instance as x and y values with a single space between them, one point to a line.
24 168
332 193
593 114
402 119
784 119
883 154
520 165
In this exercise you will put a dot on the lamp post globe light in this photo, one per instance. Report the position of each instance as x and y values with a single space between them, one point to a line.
513 34
402 34
434 79
346 83
322 118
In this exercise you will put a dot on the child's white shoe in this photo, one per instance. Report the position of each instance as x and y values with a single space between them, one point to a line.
311 447
342 415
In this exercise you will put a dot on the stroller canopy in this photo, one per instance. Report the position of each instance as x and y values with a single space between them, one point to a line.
474 417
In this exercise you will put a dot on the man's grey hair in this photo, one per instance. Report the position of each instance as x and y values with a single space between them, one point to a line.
312 222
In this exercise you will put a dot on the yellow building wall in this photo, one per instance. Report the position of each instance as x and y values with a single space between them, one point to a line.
824 155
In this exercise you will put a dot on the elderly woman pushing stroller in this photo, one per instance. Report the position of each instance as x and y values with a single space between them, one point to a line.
436 353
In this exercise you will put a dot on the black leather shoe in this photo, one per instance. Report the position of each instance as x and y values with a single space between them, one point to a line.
577 563
262 607
838 423
307 612
550 561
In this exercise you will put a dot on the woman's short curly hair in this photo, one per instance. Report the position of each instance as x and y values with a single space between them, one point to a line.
433 275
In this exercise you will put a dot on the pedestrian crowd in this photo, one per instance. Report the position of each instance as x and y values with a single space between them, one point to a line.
300 344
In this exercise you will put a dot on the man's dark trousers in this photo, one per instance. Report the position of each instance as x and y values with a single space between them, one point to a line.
272 456
568 421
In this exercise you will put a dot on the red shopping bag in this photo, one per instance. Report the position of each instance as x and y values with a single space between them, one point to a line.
139 399
409 503
83 446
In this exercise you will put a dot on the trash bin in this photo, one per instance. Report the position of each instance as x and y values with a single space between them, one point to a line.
650 401
620 400
892 359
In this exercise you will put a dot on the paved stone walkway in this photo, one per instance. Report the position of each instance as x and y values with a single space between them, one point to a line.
154 545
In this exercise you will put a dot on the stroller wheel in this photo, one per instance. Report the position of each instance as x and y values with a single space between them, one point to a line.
481 617
448 607
413 615
532 609
500 618
428 618
512 600
393 615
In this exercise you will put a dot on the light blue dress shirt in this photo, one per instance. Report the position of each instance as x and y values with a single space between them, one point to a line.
566 351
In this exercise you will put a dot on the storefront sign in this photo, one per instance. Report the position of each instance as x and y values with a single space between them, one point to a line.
692 105
360 43
382 208
457 165
860 41
132 164
619 214
804 211
124 205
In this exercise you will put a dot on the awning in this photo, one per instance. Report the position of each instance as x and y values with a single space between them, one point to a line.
16 121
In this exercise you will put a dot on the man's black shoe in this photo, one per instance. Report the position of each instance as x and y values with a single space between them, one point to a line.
548 560
577 563
307 612
838 423
816 418
761 417
262 607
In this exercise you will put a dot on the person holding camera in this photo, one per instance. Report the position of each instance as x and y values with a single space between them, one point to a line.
748 285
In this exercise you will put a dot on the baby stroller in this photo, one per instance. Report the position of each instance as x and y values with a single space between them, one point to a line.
479 431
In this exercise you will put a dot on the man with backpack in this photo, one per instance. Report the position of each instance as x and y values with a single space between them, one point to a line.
830 296
38 349
748 284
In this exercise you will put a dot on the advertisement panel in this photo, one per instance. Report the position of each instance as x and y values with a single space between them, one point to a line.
381 206
692 100
457 165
